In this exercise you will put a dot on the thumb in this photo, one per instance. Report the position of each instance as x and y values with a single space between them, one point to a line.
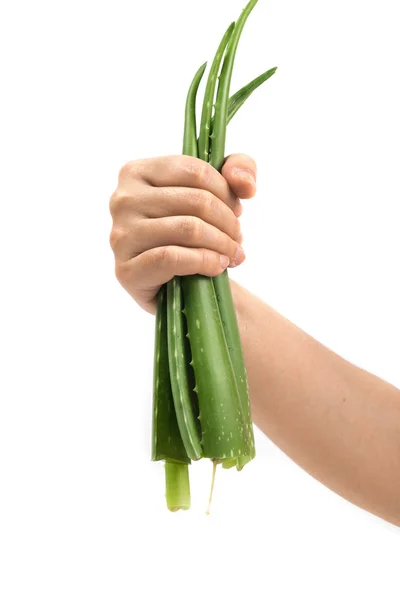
240 171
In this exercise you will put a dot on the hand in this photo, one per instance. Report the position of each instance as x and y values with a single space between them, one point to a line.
177 215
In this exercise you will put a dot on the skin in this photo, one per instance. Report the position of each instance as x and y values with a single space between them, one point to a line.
177 215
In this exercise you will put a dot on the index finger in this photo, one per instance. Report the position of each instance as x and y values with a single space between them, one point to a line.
183 171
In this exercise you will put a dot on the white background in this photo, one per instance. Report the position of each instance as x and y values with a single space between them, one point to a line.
86 87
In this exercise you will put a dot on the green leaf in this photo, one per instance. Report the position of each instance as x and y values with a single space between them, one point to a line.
238 99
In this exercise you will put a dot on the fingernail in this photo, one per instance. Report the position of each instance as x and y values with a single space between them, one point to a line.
224 262
239 258
240 238
247 175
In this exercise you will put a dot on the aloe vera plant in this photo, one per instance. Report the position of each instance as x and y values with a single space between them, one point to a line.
167 443
201 405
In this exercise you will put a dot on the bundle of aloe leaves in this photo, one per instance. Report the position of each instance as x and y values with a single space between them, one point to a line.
201 404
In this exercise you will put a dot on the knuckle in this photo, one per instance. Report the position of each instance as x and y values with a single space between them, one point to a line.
199 172
208 204
191 229
123 273
209 263
117 238
200 203
117 201
166 260
126 170
131 169
236 229
163 256
230 247
167 193
195 200
204 260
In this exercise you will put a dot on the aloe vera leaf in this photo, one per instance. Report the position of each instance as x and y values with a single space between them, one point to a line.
176 475
205 126
221 283
228 315
179 366
190 147
166 439
229 463
237 100
221 414
182 394
222 102
177 486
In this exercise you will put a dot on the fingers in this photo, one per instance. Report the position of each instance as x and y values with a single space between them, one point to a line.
155 203
177 215
144 275
183 171
240 171
173 231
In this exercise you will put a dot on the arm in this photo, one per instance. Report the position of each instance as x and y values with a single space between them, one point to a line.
338 422
179 216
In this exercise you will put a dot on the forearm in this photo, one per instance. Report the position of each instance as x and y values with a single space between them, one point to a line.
338 422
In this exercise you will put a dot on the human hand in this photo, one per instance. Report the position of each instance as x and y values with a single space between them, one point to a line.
177 215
